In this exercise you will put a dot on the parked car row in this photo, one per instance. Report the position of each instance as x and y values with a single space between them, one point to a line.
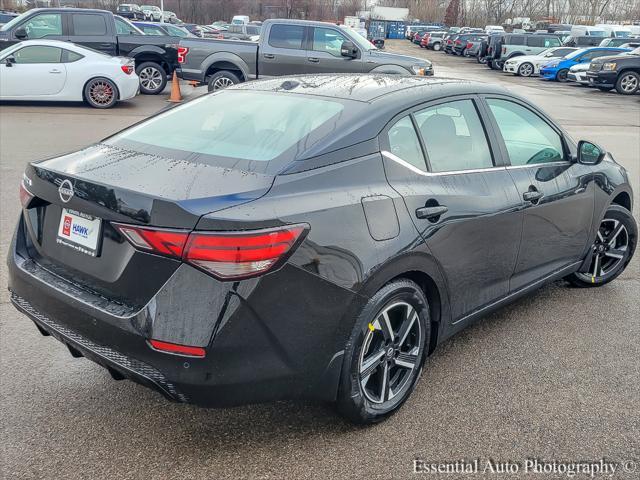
152 13
613 63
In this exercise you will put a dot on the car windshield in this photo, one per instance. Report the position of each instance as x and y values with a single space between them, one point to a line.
9 25
549 52
580 51
234 124
622 34
360 41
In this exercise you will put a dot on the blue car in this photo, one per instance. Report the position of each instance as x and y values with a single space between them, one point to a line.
558 69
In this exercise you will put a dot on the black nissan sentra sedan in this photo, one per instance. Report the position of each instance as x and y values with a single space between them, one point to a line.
310 237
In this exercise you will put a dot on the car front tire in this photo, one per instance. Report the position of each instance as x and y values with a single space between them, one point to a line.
628 83
526 69
436 47
384 355
561 76
612 249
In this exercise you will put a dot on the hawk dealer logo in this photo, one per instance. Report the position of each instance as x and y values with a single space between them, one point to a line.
66 226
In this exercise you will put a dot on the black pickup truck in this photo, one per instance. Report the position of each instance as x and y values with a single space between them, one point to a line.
155 57
290 47
621 72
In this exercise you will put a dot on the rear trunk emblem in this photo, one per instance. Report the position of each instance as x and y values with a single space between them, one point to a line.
65 191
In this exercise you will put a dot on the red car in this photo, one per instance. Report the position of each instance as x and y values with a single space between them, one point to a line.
425 40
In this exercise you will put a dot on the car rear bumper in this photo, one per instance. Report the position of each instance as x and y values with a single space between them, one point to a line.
128 86
265 339
602 79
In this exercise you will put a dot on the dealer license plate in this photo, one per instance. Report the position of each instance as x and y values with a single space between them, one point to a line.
79 231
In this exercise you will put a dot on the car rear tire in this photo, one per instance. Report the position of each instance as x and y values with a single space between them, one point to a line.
221 80
612 249
561 76
628 83
153 78
526 69
100 92
385 351
437 47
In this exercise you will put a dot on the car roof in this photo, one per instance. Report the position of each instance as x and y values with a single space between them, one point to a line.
372 87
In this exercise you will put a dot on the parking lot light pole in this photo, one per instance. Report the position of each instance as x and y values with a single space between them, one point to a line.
162 10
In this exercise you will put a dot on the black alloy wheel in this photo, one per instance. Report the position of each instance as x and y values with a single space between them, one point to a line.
612 249
384 356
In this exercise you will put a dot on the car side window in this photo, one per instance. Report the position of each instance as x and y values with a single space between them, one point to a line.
404 143
551 42
454 137
328 40
43 25
535 41
69 57
528 138
88 24
38 54
287 36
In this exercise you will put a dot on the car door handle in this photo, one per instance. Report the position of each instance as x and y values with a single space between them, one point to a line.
313 59
533 195
269 56
55 70
106 45
431 212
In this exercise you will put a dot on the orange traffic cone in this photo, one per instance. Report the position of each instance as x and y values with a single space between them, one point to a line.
176 96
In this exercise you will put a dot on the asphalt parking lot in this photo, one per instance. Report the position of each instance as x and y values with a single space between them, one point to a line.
555 376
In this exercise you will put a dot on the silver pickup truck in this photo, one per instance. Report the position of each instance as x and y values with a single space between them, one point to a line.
288 47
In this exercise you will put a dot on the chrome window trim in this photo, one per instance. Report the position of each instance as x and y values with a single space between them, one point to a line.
415 169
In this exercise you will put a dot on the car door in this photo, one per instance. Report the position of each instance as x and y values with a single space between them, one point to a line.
441 159
284 52
324 54
556 193
36 71
91 30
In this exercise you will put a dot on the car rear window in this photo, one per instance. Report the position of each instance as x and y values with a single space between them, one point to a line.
236 125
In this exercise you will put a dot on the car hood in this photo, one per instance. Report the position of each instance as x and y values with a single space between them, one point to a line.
613 58
402 60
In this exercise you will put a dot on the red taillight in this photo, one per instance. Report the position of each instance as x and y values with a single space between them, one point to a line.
128 69
458 42
225 255
233 255
469 45
155 240
177 349
25 195
182 54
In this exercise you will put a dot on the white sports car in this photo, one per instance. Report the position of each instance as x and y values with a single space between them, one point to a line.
53 70
529 65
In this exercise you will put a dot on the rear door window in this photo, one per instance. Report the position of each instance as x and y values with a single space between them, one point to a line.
88 24
287 36
516 40
404 143
454 137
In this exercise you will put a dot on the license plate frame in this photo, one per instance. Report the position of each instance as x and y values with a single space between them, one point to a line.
80 231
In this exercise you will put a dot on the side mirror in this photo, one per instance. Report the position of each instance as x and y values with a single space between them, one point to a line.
21 33
9 61
590 153
348 49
